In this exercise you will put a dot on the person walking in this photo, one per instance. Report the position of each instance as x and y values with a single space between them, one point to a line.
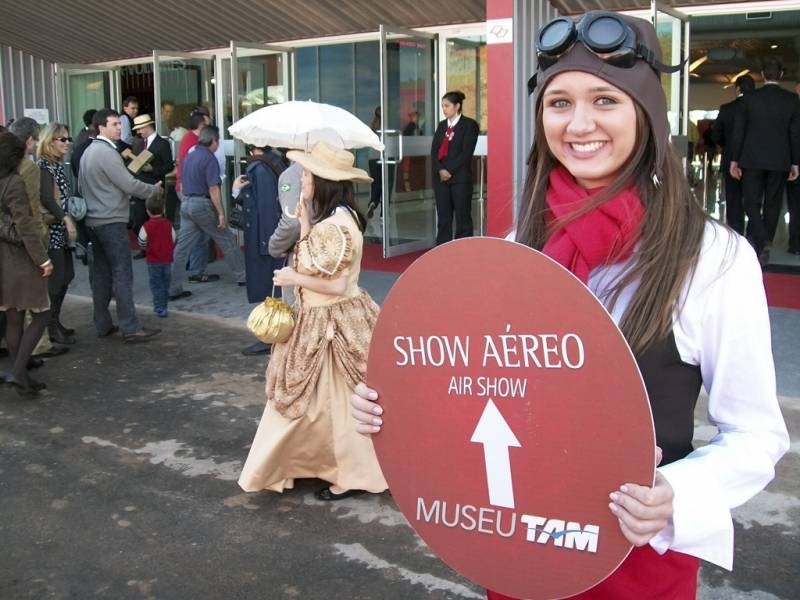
202 213
24 265
54 144
258 193
157 237
722 135
607 198
107 187
451 152
305 430
766 153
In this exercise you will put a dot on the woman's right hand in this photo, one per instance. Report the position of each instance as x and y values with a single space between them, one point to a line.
366 410
72 231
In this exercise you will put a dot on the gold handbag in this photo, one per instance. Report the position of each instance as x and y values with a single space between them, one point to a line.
271 321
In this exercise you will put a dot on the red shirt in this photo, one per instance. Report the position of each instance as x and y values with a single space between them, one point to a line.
188 141
160 239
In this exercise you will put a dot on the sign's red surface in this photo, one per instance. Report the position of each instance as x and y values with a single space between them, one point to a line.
513 408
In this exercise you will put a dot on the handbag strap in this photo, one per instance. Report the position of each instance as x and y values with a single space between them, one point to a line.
5 189
285 260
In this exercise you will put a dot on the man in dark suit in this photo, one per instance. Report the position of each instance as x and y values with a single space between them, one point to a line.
721 135
766 153
793 201
155 171
451 153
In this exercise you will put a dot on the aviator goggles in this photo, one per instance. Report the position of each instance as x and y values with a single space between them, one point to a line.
604 34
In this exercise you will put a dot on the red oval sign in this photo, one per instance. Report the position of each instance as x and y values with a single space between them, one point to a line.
513 408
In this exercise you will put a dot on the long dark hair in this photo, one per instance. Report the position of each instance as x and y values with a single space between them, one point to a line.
329 195
12 151
455 97
671 231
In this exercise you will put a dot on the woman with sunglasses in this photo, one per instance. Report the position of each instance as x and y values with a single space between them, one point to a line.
54 144
606 197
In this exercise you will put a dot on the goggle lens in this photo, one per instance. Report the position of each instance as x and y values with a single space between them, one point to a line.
604 34
555 35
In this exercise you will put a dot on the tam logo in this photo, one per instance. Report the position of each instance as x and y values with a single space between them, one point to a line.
564 534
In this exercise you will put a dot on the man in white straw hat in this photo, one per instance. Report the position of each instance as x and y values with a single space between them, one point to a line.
156 170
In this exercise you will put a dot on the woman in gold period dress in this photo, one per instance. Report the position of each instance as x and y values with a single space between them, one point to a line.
306 430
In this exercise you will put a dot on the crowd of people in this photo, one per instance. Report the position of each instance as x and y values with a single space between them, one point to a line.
115 199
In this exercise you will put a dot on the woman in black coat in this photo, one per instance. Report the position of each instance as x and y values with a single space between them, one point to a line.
451 152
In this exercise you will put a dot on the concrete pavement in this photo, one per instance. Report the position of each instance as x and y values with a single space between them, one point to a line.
120 482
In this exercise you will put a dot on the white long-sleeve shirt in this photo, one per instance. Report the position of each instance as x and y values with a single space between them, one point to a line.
723 327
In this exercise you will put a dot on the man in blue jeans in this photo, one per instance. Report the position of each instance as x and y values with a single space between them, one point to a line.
202 213
107 187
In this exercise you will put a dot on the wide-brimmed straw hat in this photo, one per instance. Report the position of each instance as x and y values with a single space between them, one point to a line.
331 163
142 121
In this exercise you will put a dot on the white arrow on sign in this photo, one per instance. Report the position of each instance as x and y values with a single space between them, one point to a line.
496 436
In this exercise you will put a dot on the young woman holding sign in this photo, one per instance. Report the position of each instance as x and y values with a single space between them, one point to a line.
306 429
607 199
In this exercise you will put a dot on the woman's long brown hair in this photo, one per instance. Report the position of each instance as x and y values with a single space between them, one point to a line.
329 195
671 231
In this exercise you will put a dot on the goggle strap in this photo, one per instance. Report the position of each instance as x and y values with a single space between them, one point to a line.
650 58
532 85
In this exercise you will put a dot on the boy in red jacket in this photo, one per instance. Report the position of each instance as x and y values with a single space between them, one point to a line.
157 238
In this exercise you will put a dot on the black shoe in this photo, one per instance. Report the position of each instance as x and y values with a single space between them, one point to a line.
143 335
203 278
3 352
58 337
257 349
65 330
179 295
326 495
54 351
242 283
114 329
139 255
27 391
34 363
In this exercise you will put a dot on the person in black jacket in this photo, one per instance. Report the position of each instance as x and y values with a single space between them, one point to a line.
766 152
451 152
793 202
161 165
721 135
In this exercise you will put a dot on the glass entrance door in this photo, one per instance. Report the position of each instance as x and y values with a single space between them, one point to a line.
409 111
257 75
181 82
672 27
80 88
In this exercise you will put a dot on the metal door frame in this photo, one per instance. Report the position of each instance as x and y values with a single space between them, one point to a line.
389 251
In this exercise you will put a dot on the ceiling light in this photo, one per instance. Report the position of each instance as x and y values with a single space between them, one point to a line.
739 74
698 62
774 46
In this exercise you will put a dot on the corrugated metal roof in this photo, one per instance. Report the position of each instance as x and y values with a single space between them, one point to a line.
88 31
572 7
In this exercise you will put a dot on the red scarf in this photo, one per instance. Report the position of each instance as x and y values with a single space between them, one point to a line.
602 236
448 135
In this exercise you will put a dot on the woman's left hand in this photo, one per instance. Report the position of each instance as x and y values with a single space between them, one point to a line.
643 511
284 276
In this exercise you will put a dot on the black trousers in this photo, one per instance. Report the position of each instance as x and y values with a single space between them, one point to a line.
453 198
376 190
138 214
763 196
793 202
734 209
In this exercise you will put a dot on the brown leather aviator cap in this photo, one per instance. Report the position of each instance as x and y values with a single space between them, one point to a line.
641 81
